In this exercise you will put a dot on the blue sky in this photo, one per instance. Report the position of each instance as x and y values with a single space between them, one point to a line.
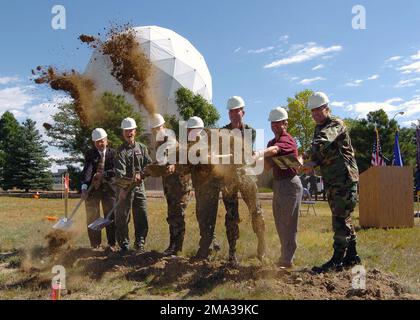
264 51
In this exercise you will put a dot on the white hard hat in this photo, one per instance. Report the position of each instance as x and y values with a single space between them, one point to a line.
317 99
195 122
235 102
156 121
128 123
98 134
278 114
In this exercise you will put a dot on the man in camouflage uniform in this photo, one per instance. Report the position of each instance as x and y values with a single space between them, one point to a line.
206 182
132 158
176 186
237 181
332 151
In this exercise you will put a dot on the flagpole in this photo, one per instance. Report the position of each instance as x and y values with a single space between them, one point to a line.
66 194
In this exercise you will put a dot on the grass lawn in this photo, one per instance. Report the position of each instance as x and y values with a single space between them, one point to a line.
391 256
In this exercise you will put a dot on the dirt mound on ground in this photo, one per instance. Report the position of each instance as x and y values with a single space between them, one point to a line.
58 238
179 278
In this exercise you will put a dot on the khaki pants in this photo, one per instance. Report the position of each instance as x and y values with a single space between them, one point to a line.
286 205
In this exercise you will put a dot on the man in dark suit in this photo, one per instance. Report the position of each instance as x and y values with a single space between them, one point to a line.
99 171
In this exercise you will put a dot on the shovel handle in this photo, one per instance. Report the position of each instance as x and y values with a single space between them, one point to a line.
80 203
132 186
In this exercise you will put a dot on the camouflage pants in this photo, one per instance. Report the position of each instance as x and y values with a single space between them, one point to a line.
342 200
137 201
207 202
177 192
247 186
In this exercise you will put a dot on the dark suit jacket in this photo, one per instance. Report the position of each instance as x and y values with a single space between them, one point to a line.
92 159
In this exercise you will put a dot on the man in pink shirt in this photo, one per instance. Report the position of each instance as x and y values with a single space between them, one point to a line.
287 186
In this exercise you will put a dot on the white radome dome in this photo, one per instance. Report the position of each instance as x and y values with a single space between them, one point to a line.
177 63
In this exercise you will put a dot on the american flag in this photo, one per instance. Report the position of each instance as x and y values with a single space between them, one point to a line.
377 158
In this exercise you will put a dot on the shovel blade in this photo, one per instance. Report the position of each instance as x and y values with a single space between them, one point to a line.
99 224
63 224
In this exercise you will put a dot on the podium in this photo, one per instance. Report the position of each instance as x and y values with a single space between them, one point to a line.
386 197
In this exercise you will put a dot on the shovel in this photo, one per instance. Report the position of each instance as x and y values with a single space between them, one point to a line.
101 223
66 222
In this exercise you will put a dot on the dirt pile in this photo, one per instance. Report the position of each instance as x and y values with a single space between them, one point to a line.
57 239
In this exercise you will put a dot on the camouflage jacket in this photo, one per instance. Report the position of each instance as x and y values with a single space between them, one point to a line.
200 172
131 159
178 181
332 150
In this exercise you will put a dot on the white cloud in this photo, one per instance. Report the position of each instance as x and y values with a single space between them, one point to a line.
237 49
373 77
317 67
8 80
309 81
261 50
355 83
416 56
395 58
411 108
14 98
407 83
302 53
410 68
393 100
338 103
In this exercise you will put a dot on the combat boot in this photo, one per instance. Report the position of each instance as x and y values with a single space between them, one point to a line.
351 258
232 260
175 246
139 246
200 255
334 264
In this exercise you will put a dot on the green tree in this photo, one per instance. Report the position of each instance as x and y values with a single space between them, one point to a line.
31 159
362 134
190 104
408 147
9 137
301 124
68 134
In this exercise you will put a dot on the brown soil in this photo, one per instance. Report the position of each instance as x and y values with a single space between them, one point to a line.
131 67
180 278
57 239
78 87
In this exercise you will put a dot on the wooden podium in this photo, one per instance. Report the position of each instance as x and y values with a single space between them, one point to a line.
386 197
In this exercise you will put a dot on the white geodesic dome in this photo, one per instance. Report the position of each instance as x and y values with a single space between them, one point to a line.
177 63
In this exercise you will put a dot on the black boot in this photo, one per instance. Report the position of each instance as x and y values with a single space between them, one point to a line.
175 245
202 254
233 260
351 258
334 264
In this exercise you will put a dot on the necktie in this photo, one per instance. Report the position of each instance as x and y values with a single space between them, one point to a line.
100 170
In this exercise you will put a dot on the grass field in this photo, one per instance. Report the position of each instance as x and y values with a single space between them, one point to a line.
392 258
